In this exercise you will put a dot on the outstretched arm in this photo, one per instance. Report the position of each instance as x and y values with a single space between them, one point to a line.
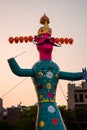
71 76
19 71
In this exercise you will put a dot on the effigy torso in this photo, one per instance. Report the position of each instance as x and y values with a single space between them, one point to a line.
45 80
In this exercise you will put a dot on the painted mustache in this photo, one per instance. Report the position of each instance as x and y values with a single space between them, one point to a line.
47 41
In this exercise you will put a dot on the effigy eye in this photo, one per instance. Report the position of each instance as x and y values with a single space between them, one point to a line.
41 36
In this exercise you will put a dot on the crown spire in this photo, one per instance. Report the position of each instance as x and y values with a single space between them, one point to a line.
44 19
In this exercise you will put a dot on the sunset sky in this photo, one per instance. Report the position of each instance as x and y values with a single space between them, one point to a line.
68 18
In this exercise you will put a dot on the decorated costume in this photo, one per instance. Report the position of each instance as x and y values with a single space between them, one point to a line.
45 75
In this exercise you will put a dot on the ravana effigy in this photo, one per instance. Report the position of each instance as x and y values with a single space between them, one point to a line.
45 75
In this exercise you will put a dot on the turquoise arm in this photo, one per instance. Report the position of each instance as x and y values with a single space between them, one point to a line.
19 71
70 76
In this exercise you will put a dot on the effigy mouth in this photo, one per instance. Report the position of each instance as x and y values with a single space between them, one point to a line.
47 41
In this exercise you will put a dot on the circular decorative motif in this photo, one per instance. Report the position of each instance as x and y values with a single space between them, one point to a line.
48 85
49 74
44 80
40 96
54 121
51 109
49 95
56 76
41 124
40 74
40 86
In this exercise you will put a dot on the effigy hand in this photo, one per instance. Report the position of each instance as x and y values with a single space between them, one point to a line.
84 74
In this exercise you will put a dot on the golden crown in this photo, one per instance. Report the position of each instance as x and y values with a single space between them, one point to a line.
45 29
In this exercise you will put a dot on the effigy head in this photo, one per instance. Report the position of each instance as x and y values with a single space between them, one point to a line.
44 40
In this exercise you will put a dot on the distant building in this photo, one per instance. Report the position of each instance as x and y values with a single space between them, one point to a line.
12 113
77 95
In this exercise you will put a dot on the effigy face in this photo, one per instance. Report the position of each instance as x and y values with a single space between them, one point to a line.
44 42
45 81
